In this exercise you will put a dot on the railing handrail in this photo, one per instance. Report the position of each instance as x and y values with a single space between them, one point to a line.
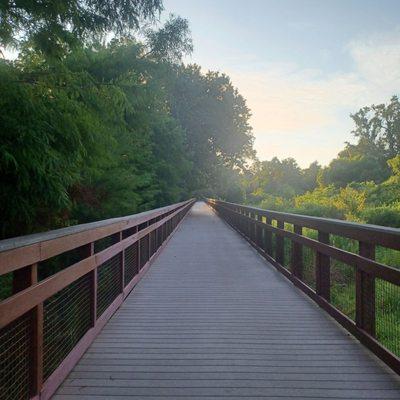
17 252
377 234
25 240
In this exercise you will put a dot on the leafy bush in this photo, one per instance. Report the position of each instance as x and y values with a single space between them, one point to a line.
343 170
384 215
276 203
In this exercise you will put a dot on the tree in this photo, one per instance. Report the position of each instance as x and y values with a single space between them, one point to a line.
378 130
95 135
215 119
54 26
311 175
171 41
48 133
344 170
279 178
88 138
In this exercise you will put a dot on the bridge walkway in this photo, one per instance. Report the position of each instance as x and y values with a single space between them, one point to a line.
210 320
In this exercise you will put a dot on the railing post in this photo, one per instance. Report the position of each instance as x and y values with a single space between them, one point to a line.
365 292
255 228
323 269
235 217
258 231
251 227
149 241
88 251
138 250
280 244
241 221
297 254
22 279
268 237
122 263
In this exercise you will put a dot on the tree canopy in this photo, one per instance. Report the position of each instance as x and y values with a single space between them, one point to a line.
53 26
114 129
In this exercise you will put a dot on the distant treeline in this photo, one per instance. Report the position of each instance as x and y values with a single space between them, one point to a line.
362 184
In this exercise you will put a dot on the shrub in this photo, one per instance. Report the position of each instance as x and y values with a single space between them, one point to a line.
384 215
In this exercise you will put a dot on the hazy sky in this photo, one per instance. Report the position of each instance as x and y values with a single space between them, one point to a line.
302 65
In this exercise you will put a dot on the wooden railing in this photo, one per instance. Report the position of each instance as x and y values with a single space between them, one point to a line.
340 265
66 284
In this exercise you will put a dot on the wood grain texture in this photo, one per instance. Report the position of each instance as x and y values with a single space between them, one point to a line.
211 319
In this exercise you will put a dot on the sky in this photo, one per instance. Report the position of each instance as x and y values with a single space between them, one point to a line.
303 65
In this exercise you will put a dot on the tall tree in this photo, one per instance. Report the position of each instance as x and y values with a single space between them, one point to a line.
53 26
377 128
215 119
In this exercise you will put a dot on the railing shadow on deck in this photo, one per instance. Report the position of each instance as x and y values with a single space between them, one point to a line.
67 283
334 263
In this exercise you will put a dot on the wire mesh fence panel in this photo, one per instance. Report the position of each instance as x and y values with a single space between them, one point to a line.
103 243
159 237
273 246
387 315
344 243
169 227
108 283
388 257
153 243
287 253
67 317
6 285
58 263
144 250
15 359
131 262
129 232
253 230
343 287
309 275
142 226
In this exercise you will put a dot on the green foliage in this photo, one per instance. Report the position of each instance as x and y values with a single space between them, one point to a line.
362 184
171 41
394 164
48 132
97 135
52 27
318 203
378 129
281 178
382 215
342 171
276 203
215 118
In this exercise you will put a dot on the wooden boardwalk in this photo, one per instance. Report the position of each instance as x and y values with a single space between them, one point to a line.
211 319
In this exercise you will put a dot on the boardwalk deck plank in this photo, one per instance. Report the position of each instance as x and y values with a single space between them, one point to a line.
212 320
